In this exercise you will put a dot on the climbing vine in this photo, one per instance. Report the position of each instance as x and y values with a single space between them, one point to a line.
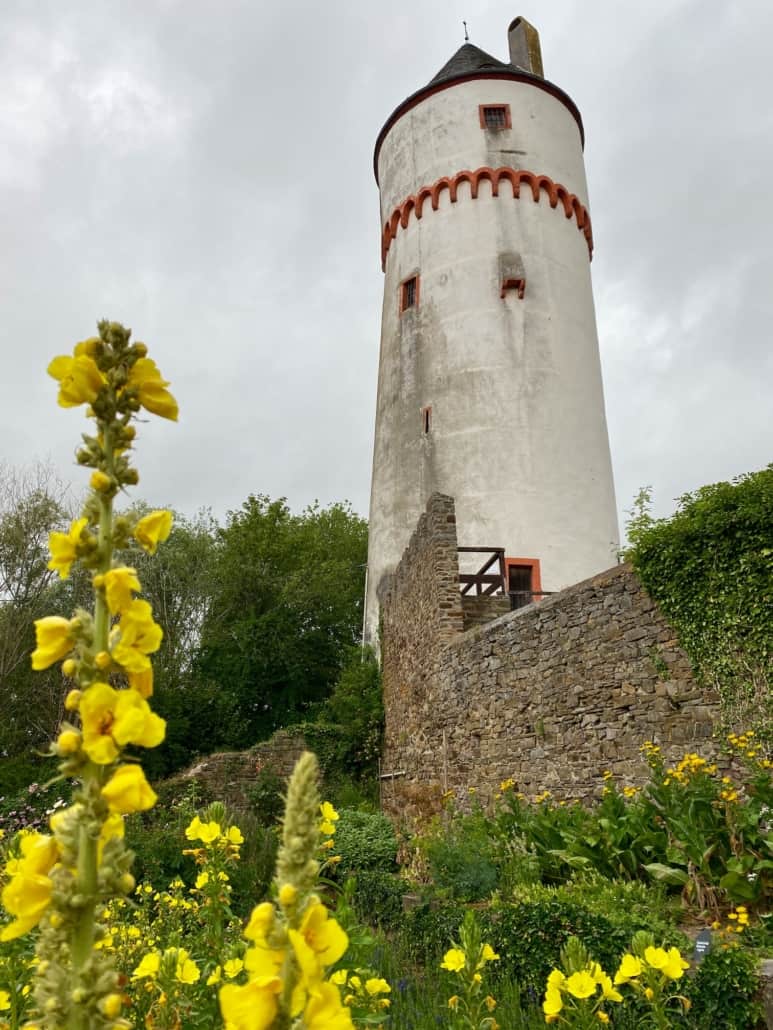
710 568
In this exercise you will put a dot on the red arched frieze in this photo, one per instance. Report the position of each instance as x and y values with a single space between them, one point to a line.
573 207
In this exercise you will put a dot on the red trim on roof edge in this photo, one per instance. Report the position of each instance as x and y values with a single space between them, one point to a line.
414 204
428 91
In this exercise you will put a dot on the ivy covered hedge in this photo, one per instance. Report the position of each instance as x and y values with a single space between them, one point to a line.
710 568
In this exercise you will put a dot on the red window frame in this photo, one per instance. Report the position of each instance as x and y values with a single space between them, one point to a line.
482 108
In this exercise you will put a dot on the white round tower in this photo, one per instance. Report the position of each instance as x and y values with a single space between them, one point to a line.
489 384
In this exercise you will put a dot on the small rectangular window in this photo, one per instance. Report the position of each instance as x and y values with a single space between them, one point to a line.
524 581
409 293
495 117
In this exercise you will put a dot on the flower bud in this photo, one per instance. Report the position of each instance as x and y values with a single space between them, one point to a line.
111 1005
98 581
101 482
73 700
79 995
69 667
131 477
102 660
68 742
140 349
129 432
127 883
55 920
287 895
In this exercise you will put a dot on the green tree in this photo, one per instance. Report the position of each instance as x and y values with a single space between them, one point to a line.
286 603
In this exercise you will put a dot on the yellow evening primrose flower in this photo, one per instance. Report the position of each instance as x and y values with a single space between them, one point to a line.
630 967
79 379
153 529
553 1002
119 584
64 547
339 977
488 954
128 791
114 718
674 965
607 990
214 977
377 985
556 980
54 640
232 968
148 967
5 1001
146 379
581 985
454 960
186 970
251 1007
135 637
202 880
234 836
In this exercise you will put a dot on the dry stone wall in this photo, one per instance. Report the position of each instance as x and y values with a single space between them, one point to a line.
551 695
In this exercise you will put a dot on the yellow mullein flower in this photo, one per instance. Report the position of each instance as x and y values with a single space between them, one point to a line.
324 1010
261 921
146 379
54 639
153 529
339 977
128 791
79 379
64 547
28 893
581 985
454 960
135 637
320 934
251 1007
142 682
119 584
114 718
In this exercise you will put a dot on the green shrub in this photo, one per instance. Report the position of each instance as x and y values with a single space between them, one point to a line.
378 898
364 840
723 991
528 938
265 796
463 857
426 931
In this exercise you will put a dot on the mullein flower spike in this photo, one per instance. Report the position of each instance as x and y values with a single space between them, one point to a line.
63 882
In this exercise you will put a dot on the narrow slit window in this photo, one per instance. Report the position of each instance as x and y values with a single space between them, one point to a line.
409 293
426 419
495 117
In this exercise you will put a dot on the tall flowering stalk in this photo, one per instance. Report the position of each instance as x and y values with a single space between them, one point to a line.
63 880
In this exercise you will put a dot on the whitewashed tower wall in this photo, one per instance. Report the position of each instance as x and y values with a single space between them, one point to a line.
489 384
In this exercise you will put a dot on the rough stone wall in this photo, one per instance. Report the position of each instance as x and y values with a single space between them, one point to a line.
229 775
480 610
552 694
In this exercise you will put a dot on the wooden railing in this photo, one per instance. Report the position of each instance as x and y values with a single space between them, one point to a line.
485 582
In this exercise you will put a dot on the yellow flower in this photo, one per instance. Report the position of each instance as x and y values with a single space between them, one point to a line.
377 985
28 893
202 880
454 960
261 920
5 1001
233 967
153 529
251 1007
339 977
490 1003
234 836
135 637
581 985
79 379
607 990
205 832
186 970
556 980
321 934
214 977
630 967
670 963
142 682
488 954
53 636
324 1010
114 718
119 584
453 1002
148 967
145 378
288 895
128 790
100 481
553 1002
64 547
68 742
602 1017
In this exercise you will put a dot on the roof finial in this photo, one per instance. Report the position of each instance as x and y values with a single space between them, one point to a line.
466 33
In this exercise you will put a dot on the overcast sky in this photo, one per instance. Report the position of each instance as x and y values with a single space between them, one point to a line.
202 171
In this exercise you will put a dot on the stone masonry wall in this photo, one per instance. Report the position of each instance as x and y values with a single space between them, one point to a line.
551 695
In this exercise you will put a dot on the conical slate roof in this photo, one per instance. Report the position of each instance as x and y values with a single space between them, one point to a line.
467 60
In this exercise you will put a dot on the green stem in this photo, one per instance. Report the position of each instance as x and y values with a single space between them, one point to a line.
82 939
